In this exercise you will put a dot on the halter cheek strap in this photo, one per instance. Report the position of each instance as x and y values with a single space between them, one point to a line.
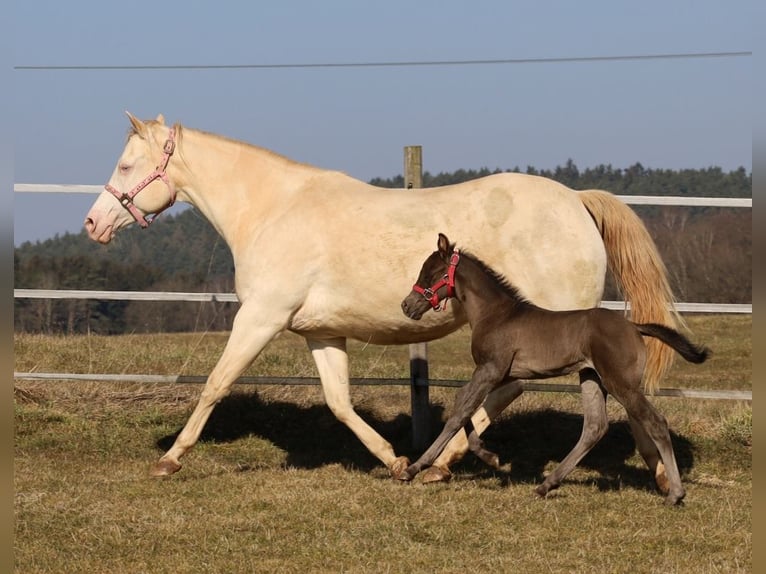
126 199
431 294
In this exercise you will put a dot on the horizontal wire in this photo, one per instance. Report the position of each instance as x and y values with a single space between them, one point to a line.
396 64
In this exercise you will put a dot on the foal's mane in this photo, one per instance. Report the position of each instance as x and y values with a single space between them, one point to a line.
497 278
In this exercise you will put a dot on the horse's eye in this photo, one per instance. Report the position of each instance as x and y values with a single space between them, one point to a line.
124 168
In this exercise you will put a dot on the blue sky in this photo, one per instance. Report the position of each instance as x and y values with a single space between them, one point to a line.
69 125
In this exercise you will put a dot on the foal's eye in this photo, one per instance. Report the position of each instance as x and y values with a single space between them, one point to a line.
124 168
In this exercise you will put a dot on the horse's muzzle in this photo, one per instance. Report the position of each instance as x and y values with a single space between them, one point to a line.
411 306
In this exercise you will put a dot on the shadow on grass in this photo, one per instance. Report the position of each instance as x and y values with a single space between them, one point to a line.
312 437
530 440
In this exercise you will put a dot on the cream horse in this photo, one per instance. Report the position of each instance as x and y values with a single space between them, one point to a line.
327 256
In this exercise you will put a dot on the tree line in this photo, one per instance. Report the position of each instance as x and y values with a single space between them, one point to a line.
708 253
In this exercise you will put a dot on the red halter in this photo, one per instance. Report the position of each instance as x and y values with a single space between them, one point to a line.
432 293
126 199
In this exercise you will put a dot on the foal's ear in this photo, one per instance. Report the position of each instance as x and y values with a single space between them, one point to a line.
160 119
445 249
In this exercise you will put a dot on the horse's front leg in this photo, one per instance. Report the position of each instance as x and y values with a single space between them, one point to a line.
468 399
332 363
496 402
254 327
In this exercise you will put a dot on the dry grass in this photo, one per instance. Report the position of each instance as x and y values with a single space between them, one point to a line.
277 484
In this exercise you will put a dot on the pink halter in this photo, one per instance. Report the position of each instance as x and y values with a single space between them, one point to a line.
126 199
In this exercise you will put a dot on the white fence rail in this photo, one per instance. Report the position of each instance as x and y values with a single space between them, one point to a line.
231 297
741 308
629 199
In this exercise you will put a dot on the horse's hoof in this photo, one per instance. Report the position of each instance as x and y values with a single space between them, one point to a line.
436 474
165 467
663 484
398 468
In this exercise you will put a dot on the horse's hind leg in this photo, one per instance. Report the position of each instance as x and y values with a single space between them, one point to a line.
656 428
595 425
650 454
497 400
332 363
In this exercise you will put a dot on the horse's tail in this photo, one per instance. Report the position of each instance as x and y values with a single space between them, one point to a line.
639 272
688 350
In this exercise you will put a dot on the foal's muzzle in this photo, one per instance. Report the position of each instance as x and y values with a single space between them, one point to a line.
413 306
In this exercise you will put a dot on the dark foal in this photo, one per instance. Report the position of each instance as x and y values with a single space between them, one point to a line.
514 339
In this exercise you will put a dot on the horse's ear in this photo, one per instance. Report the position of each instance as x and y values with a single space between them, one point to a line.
161 119
138 125
445 249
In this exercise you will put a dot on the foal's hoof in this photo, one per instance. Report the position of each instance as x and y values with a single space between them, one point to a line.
409 473
436 474
398 468
406 475
491 459
675 499
165 467
546 488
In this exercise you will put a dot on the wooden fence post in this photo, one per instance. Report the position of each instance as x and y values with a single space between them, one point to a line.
419 401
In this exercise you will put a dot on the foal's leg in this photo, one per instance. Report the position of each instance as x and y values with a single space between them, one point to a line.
656 428
253 328
650 454
595 425
467 401
476 446
497 400
332 363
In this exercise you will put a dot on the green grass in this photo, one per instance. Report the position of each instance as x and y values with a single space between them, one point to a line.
277 484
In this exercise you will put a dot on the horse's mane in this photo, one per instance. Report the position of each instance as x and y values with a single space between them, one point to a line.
179 129
497 278
245 144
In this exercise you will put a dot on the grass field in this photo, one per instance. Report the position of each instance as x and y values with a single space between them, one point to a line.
278 485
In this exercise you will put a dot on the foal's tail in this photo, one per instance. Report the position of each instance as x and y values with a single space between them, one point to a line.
639 271
688 350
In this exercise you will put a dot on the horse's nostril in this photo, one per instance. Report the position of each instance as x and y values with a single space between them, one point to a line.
89 225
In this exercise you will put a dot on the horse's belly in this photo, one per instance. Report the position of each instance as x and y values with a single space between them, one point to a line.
530 370
374 325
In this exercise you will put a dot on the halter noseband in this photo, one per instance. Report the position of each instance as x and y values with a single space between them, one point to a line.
126 199
431 294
